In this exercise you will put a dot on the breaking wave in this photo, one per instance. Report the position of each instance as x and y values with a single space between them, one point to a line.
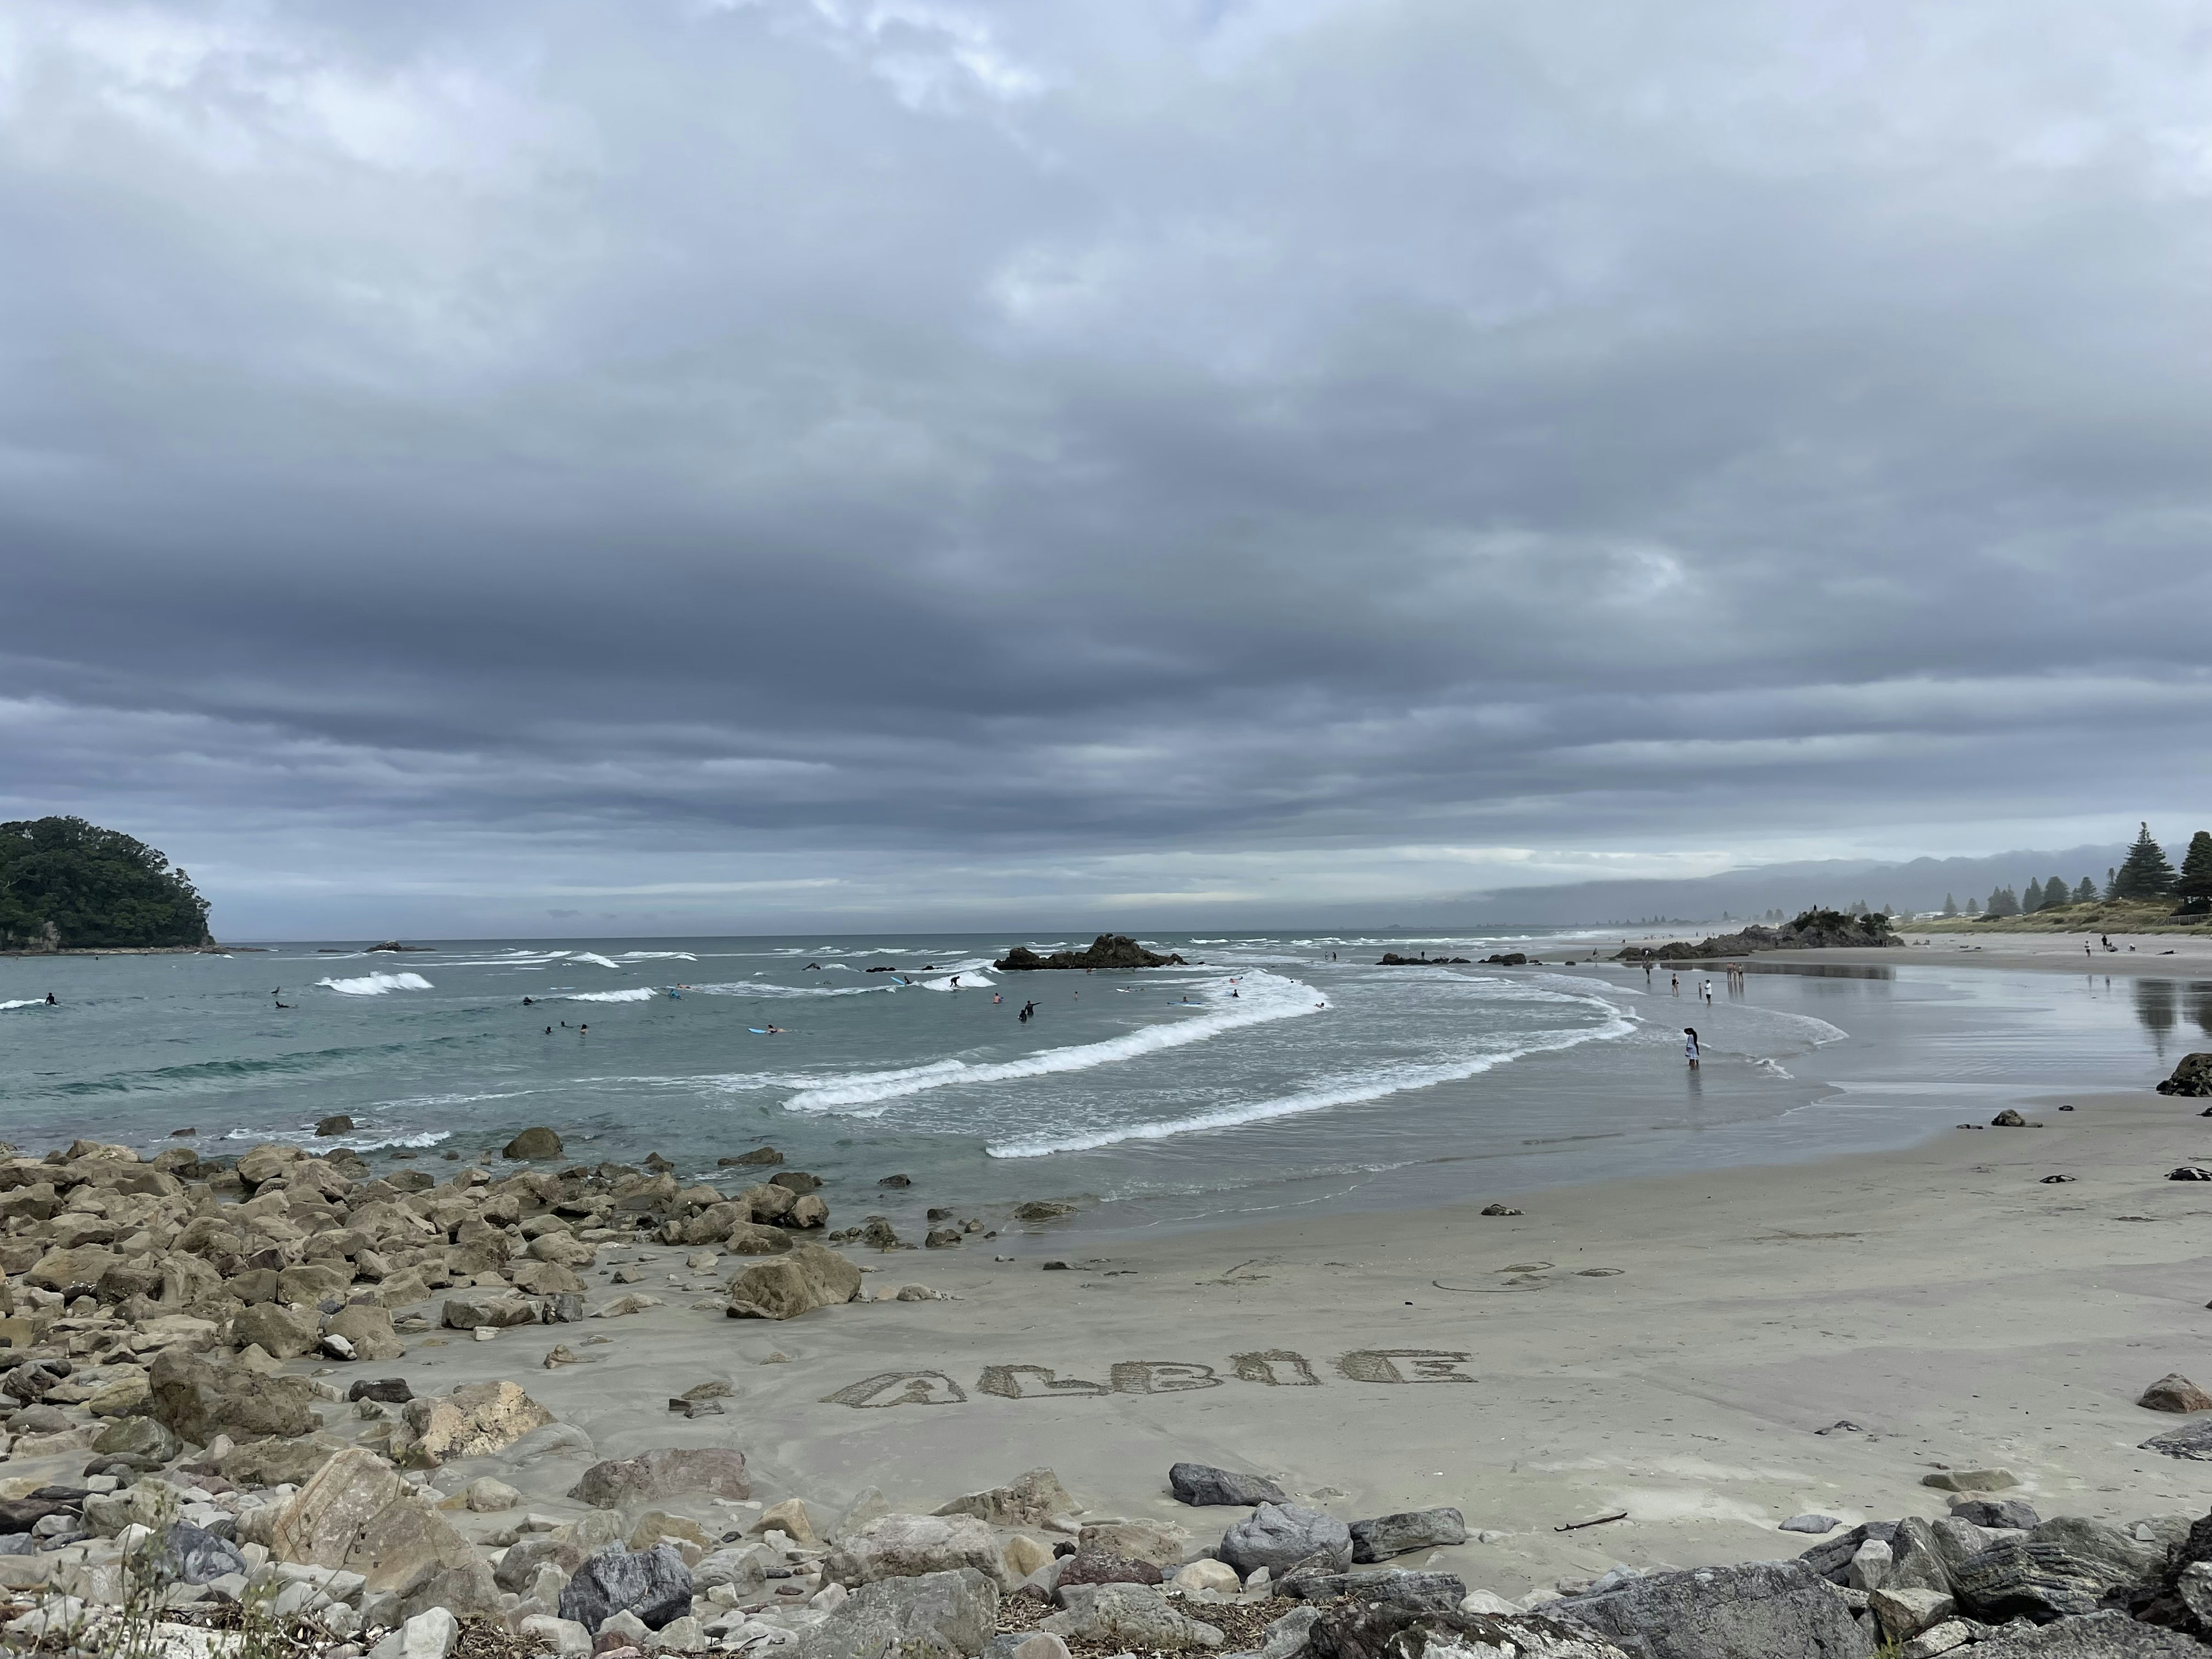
631 993
375 985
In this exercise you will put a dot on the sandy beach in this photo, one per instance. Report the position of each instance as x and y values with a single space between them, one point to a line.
1672 1347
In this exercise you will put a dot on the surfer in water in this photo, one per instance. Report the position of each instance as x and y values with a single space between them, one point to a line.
1689 1045
1028 1008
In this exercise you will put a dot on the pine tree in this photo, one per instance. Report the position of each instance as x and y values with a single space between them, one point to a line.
2196 867
2087 892
2145 874
2003 901
2031 900
2055 894
2112 883
1950 905
1973 906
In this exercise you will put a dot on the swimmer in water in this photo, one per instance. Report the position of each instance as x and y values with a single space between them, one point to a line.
50 1000
775 1031
549 1031
526 1002
1689 1045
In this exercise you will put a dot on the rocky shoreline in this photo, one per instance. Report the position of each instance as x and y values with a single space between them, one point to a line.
173 1485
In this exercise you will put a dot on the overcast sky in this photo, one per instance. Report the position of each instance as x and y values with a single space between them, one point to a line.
673 466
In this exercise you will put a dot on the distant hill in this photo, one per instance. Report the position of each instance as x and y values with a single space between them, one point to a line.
1921 885
67 884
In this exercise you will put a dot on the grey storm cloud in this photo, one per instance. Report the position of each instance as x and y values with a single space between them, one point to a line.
705 464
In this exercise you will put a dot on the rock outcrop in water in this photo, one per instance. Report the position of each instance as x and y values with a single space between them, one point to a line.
1107 950
1814 930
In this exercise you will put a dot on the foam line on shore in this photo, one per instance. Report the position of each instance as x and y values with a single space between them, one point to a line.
1351 1091
1263 998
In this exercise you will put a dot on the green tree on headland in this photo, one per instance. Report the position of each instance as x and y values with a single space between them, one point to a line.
2055 895
2003 901
2197 868
67 884
2087 892
2144 874
2031 899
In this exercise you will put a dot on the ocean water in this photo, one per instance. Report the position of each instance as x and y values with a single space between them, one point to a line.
1276 1074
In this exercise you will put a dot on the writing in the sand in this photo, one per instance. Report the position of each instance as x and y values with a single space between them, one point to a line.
1271 1368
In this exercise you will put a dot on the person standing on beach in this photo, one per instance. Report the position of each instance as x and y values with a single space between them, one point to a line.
1674 983
1689 1045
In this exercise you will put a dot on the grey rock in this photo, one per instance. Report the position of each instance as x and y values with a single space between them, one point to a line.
1815 1524
910 1546
2097 1636
716 1470
193 1555
1757 1610
934 1615
1290 1635
1281 1536
1132 1616
1382 1630
2016 1513
1917 1561
2192 1441
1389 1535
1099 1567
654 1584
140 1442
1028 1501
1203 1485
1831 1557
2065 1567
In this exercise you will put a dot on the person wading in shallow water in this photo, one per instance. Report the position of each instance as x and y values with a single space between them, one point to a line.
1689 1045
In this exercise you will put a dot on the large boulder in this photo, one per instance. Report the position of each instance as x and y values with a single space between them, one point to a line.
1423 1592
192 1555
366 1328
2100 1635
1204 1487
472 1421
1385 1630
1389 1535
276 1330
1028 1501
2192 1078
619 1483
2069 1566
537 1143
498 1308
654 1584
1757 1610
1162 1543
140 1442
2175 1393
1131 1616
190 1397
807 1277
935 1615
1098 1567
417 1555
320 1523
1280 1536
907 1545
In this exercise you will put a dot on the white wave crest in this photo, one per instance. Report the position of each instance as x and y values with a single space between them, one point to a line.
631 993
27 1002
967 981
595 960
365 1140
1350 1090
746 989
656 956
375 985
1263 997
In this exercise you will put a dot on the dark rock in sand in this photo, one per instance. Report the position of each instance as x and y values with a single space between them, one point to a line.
2175 1393
537 1143
2189 1172
2016 1513
1387 1630
385 1391
198 1402
1775 1609
1389 1535
1507 959
337 1124
654 1584
2065 1567
627 1482
1813 930
1500 1209
2193 1442
1203 1485
1043 1209
2100 1636
1107 950
1392 959
1422 1592
939 1238
2192 1078
2008 1119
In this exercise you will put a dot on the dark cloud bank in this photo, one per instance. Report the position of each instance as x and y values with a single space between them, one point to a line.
677 466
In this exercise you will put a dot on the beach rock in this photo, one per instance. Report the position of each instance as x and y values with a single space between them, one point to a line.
1099 1567
718 1471
318 1525
1971 1481
1499 1209
385 1391
366 1329
743 1568
1043 1209
1281 1536
190 1397
563 1638
808 1276
141 1442
2065 1567
1384 1630
428 1635
908 1546
1162 1543
1204 1487
2099 1636
532 1144
1938 1639
654 1584
1902 1614
1815 1524
563 1250
2008 1119
414 1556
2016 1513
485 1496
1389 1535
1107 950
1423 1592
936 1615
2175 1393
2191 1077
337 1124
472 1421
2193 1441
1031 1500
277 1329
1132 1616
499 1310
1207 1575
1771 1609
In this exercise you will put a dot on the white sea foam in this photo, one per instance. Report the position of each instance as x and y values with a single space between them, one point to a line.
656 956
968 978
747 988
631 993
1349 1090
375 985
362 1141
25 1002
1265 997
596 960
